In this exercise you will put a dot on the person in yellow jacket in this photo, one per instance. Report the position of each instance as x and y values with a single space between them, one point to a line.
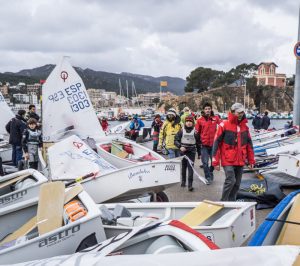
168 132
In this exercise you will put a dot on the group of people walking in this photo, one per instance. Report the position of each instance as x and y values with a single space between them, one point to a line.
25 137
218 143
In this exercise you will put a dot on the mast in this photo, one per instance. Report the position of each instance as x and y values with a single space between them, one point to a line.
296 109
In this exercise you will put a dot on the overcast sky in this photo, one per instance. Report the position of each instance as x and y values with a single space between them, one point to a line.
155 37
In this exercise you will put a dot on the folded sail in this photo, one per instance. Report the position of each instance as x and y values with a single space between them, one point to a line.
72 158
67 108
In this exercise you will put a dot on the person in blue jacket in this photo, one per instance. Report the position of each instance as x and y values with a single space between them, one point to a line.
135 127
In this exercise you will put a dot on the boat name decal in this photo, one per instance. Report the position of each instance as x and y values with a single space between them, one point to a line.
138 174
59 237
76 97
13 197
170 167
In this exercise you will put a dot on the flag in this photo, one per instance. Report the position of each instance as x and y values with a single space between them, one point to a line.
163 83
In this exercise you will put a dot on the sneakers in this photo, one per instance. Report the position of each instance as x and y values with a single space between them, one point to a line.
191 189
208 182
183 185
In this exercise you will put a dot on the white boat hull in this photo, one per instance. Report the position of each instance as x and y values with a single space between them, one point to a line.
289 164
8 197
6 153
119 162
230 227
62 241
134 181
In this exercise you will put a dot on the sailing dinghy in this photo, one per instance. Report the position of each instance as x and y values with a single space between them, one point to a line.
65 90
57 224
20 186
152 240
227 224
72 157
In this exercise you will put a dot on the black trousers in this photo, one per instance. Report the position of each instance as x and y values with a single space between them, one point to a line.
187 166
232 182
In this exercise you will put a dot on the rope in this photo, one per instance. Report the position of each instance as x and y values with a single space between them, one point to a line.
282 221
201 178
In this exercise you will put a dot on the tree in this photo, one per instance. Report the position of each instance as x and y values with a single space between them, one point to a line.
201 79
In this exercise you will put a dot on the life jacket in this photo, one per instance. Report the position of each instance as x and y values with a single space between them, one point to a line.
188 138
233 144
34 137
207 128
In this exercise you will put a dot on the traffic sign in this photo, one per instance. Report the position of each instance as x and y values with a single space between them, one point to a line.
297 50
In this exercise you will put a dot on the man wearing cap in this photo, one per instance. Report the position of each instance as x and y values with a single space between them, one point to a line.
167 133
233 149
15 127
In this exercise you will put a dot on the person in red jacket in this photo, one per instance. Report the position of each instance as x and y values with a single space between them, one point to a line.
104 124
207 126
233 148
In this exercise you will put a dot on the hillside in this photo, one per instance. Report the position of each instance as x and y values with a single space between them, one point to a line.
101 79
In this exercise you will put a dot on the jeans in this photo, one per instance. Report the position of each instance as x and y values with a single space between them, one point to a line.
206 153
17 154
232 182
187 166
173 153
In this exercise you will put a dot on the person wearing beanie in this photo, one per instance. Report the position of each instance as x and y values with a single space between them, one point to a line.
15 128
186 112
233 149
188 140
167 133
156 125
206 125
135 127
31 142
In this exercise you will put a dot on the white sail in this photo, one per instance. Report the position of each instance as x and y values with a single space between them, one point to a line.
67 107
71 158
6 114
118 129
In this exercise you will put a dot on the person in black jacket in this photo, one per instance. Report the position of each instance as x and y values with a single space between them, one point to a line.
31 142
265 122
15 128
188 141
32 113
256 122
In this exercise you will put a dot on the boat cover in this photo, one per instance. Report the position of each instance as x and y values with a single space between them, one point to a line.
265 192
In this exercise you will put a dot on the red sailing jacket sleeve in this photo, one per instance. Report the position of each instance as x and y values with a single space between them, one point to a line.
250 152
197 126
216 146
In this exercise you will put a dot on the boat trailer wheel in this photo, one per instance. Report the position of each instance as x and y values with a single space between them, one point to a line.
159 197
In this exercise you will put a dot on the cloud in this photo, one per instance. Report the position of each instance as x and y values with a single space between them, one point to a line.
166 37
